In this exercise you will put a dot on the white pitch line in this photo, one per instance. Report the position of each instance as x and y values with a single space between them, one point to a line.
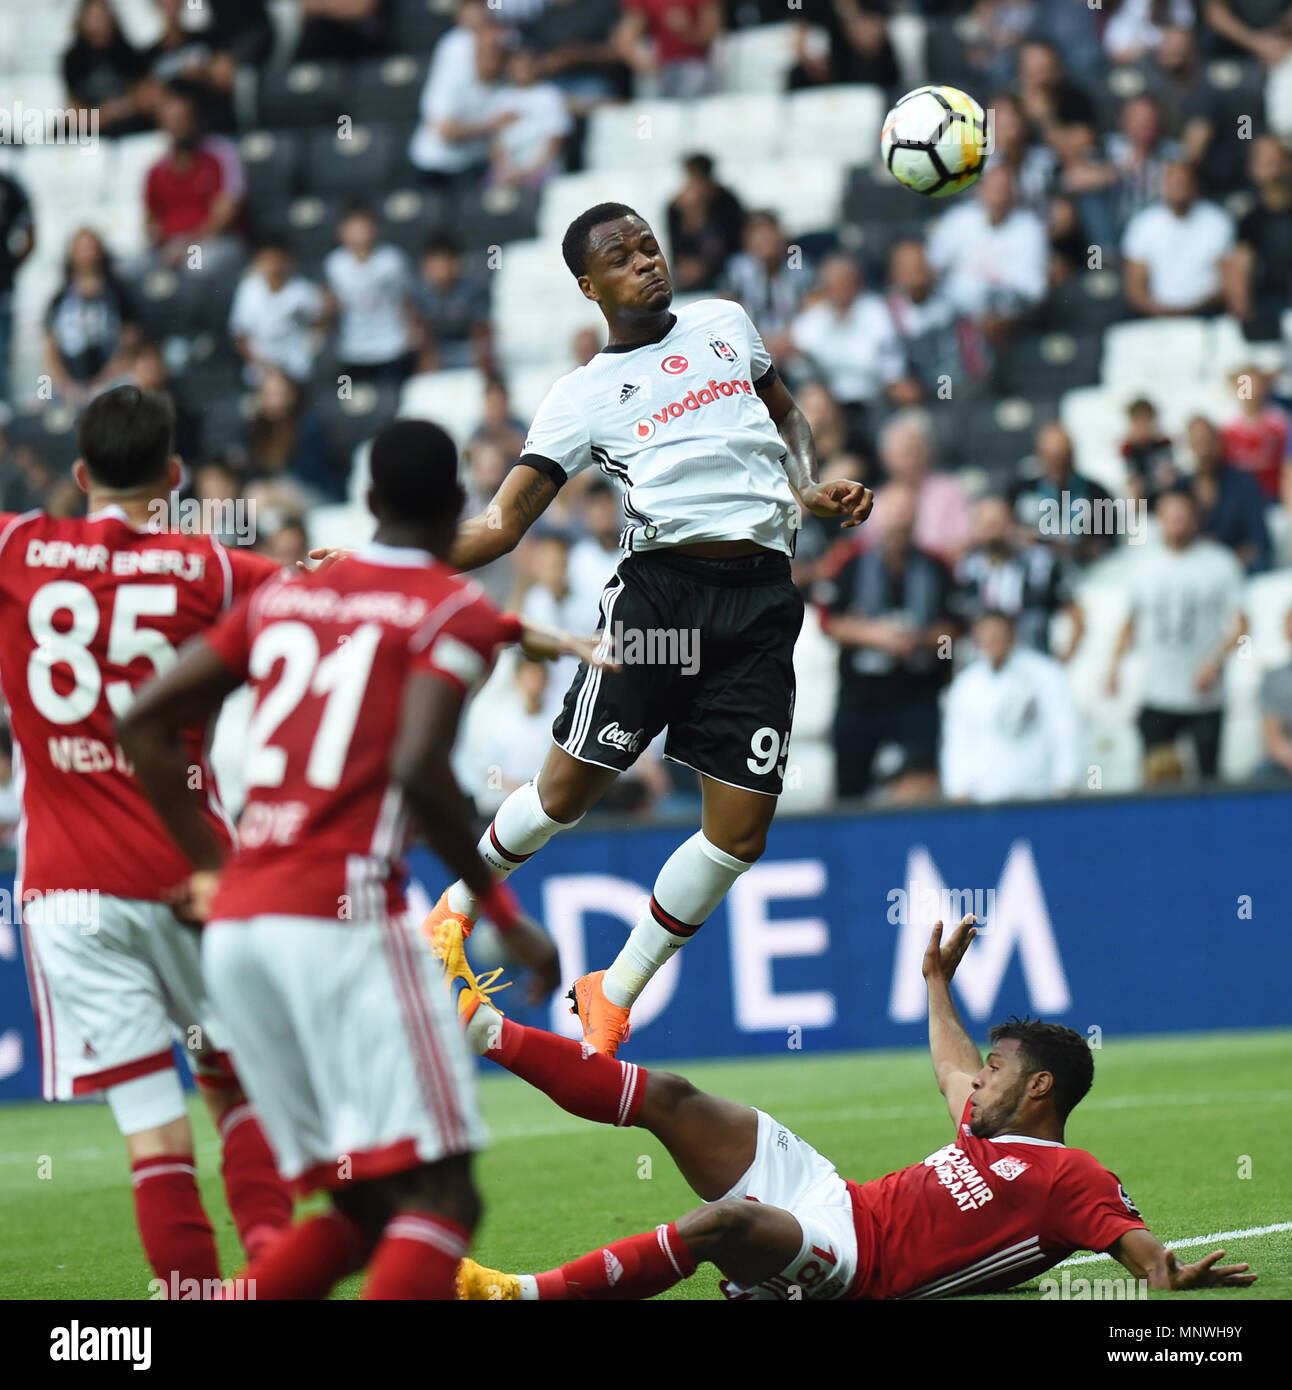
1193 1241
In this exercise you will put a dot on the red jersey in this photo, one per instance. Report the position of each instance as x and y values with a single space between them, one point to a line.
1258 446
90 608
180 200
327 656
670 45
983 1214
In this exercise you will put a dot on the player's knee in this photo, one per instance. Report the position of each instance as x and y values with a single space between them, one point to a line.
666 1092
744 844
718 1230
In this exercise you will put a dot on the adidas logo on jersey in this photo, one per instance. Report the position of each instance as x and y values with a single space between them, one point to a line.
693 400
628 392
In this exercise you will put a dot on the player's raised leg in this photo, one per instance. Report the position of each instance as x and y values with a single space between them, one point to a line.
556 799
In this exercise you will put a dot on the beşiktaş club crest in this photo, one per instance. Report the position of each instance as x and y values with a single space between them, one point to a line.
643 429
722 350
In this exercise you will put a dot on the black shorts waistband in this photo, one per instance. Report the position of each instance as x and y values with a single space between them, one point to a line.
765 567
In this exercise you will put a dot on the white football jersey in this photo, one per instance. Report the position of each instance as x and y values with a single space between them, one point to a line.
678 426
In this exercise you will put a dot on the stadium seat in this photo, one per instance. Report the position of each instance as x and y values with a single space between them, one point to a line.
565 197
492 216
872 194
388 89
741 126
452 399
1047 364
1143 352
357 162
310 228
842 119
348 421
411 216
636 135
999 433
50 432
805 194
305 94
1230 350
945 55
418 24
1090 300
757 59
271 161
224 421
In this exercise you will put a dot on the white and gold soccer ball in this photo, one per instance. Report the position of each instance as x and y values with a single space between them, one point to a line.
934 141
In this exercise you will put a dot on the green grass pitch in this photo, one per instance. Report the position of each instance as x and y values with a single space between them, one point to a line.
1179 1119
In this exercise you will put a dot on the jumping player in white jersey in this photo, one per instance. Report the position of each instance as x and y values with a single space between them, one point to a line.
686 414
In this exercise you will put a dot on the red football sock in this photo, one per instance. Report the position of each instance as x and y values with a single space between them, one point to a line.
305 1261
635 1267
416 1258
173 1225
259 1199
585 1083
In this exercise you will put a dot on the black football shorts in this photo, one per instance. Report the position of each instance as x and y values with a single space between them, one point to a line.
707 648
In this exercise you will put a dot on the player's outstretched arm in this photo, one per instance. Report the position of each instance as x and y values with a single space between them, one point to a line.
1148 1259
524 496
955 1059
151 732
420 765
849 501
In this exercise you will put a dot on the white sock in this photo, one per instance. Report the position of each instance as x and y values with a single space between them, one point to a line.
482 1032
528 1288
691 884
519 830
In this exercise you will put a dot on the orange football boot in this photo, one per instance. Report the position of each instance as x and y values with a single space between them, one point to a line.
446 930
605 1025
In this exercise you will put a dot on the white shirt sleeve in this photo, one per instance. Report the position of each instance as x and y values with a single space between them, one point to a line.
760 360
240 314
558 435
1063 725
1138 238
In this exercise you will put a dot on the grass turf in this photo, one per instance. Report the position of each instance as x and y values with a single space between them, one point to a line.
1179 1119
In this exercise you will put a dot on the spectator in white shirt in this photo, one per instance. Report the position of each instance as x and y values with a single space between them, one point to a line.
274 315
451 143
595 554
992 254
553 602
768 280
1136 26
1186 617
849 339
371 287
528 149
507 733
1176 251
1010 728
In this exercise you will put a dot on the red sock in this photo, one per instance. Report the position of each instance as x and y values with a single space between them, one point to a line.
259 1199
416 1258
635 1267
585 1083
173 1225
305 1261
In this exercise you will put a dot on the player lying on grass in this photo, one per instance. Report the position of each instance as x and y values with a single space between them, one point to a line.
999 1204
335 1011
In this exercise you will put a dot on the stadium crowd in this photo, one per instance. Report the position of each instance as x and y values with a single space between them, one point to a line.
284 301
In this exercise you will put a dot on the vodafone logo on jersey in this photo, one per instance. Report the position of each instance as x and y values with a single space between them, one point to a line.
674 365
693 400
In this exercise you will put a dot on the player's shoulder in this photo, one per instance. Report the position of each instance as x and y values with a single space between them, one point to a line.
707 313
12 523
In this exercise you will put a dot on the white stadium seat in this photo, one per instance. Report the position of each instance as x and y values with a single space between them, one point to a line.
756 59
844 120
1147 352
636 135
452 399
737 126
806 194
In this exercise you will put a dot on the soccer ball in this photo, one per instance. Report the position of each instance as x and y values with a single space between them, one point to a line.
934 141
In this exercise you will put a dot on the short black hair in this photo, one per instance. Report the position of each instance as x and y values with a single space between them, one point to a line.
574 244
996 615
186 89
1051 1047
442 246
699 163
126 436
414 467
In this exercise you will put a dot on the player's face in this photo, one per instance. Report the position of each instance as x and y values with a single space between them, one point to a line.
998 1090
626 267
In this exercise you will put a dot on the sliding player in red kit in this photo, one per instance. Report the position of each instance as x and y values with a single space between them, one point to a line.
90 608
344 1031
1001 1203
